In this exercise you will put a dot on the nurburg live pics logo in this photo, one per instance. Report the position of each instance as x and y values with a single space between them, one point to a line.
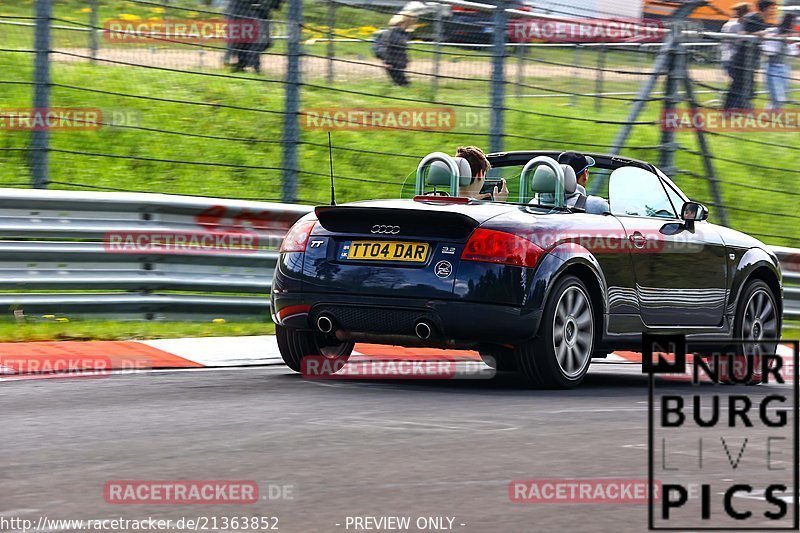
726 422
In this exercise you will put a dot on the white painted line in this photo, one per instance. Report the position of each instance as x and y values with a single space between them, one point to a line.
223 351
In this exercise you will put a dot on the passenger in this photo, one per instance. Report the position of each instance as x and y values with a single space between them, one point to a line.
580 164
479 166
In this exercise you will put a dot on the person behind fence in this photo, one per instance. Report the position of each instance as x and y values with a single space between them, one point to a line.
777 53
390 45
733 26
746 59
250 32
479 166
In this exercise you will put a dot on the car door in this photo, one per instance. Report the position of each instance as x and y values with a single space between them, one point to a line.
680 269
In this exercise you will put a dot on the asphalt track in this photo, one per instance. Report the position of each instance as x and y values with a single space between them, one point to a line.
346 448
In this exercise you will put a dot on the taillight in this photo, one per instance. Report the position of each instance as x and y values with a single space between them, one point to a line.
491 246
297 238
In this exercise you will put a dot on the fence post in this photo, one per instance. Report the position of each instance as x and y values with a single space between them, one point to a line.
291 120
598 89
40 138
576 53
94 44
438 30
331 22
520 68
675 72
498 78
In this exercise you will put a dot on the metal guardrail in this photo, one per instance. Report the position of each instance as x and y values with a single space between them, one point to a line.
790 266
56 257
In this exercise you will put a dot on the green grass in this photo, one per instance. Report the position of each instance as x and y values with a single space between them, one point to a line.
791 331
101 330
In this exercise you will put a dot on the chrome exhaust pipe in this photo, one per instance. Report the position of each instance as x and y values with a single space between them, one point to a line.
325 324
423 330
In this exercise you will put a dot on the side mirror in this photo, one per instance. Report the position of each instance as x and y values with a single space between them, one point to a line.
694 212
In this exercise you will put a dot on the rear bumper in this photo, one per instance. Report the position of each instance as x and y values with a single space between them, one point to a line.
454 321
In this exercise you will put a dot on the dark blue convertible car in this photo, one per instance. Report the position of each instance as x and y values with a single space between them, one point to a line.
536 284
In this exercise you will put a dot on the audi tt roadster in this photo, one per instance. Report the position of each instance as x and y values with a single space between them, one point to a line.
539 283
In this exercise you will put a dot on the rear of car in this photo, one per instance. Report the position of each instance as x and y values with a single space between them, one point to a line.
439 273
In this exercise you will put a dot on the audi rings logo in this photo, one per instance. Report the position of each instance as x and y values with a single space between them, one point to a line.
385 230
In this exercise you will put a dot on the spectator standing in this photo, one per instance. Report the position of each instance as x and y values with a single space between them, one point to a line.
746 59
734 26
394 41
777 68
247 50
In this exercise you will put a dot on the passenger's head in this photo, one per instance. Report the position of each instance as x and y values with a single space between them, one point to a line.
579 163
740 10
478 165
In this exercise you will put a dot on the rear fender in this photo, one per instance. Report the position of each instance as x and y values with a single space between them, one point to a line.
752 260
563 259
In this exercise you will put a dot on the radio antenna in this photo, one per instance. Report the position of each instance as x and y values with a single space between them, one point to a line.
330 156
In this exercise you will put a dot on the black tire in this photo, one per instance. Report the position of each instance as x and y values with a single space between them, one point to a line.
568 314
294 344
757 317
502 360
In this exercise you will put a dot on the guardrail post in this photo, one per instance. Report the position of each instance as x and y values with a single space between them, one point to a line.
331 22
291 120
40 138
94 44
498 77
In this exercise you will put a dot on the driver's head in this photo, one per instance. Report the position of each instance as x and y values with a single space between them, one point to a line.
580 164
479 166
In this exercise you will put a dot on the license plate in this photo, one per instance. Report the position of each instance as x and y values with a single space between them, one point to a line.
406 252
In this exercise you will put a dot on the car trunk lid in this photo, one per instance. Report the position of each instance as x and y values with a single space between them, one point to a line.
391 248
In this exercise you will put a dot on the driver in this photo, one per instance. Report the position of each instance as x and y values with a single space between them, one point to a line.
479 166
580 164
